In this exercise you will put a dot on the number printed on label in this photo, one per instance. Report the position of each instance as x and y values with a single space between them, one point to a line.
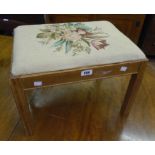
87 72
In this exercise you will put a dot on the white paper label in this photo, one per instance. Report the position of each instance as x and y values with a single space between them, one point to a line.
123 68
37 83
87 72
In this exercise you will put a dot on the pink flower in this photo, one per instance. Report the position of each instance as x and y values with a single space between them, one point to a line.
99 44
72 36
81 31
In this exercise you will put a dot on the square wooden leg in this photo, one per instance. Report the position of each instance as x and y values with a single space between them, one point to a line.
132 90
22 104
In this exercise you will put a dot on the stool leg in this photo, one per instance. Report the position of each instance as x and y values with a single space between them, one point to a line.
132 90
98 82
22 104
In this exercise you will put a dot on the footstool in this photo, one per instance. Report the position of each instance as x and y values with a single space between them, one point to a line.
54 54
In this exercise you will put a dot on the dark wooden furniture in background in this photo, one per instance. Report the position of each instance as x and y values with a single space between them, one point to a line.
148 36
9 21
130 25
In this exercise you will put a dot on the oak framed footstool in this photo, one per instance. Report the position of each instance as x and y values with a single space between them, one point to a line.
54 54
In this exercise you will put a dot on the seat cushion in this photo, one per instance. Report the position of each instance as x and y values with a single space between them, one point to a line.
52 47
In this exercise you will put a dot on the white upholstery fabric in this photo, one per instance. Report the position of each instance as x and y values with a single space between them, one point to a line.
36 50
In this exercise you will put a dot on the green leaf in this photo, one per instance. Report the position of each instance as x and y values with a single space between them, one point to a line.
86 41
68 46
42 35
82 26
59 43
52 36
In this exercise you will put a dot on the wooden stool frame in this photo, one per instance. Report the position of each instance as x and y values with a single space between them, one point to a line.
20 84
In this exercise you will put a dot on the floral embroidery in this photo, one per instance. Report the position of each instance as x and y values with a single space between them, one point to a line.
75 37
